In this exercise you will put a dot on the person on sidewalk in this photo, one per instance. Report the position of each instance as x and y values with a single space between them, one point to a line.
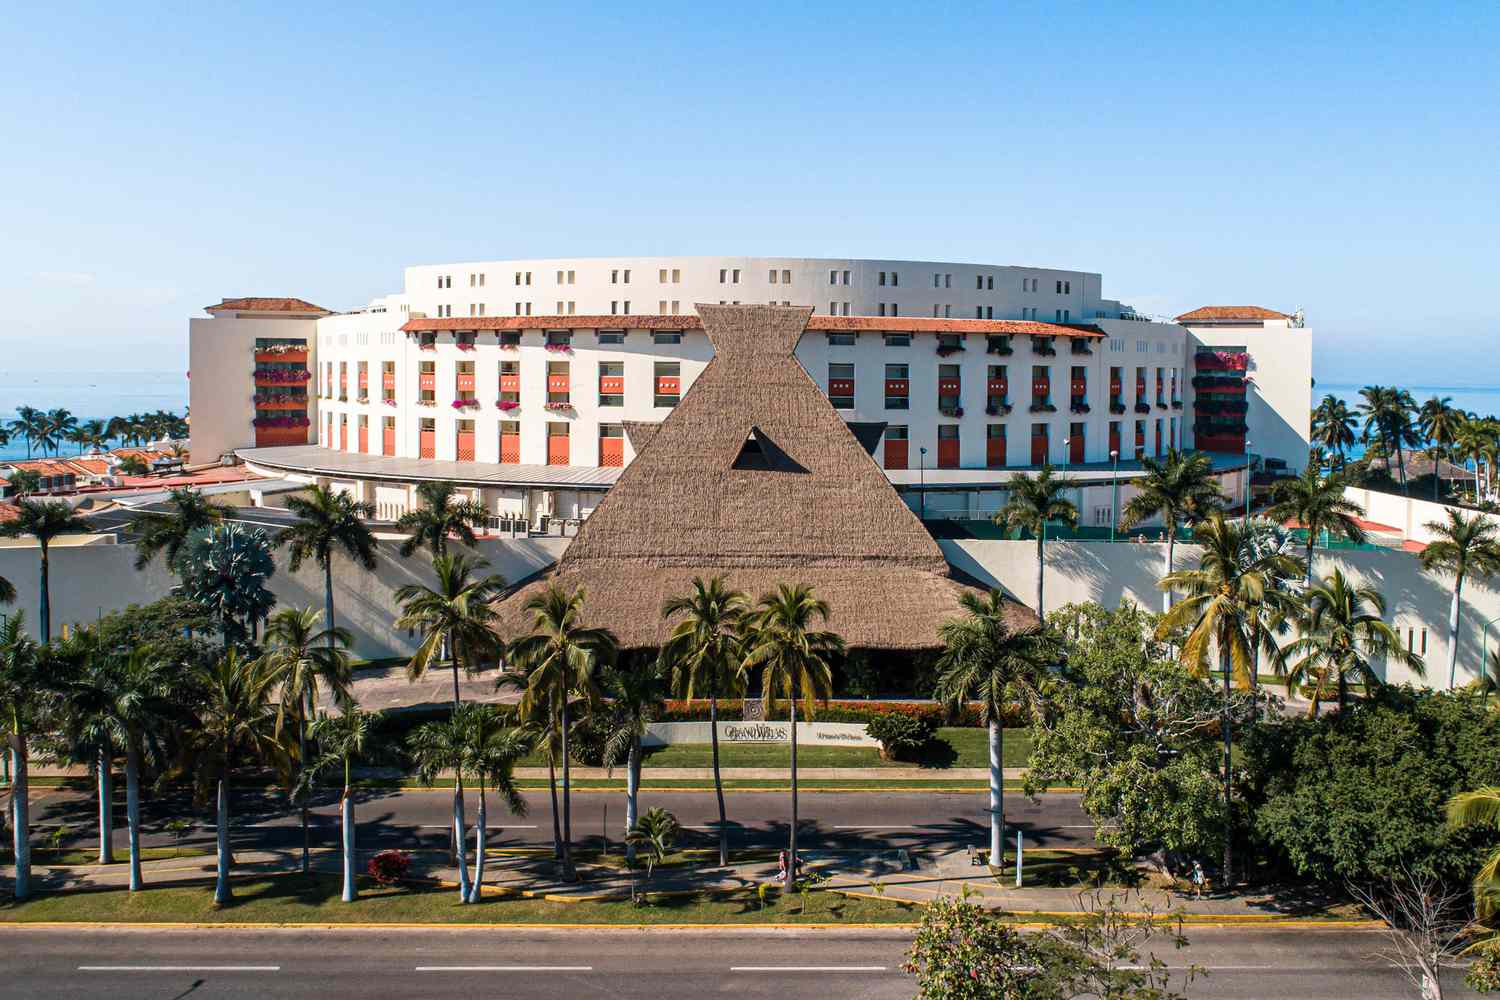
1197 878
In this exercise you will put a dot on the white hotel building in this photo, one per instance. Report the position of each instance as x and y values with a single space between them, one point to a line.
521 380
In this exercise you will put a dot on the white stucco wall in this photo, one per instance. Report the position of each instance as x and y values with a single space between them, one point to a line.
221 388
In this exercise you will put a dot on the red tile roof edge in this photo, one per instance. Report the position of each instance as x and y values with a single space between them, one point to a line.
873 324
254 303
1231 312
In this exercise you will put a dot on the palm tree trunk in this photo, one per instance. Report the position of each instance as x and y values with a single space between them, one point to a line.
20 813
1166 597
997 794
306 792
567 799
1343 692
481 834
459 835
1458 586
1227 726
632 793
103 765
713 738
133 812
45 601
1311 538
556 814
1040 565
790 879
222 894
346 820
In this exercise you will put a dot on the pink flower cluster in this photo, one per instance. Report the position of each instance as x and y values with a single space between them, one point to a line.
560 407
288 375
508 404
466 404
289 421
560 348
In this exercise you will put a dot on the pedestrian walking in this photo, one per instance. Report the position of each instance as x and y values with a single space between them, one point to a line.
1197 878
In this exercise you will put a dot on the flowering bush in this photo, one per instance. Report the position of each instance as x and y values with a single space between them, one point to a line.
363 397
507 405
261 398
426 402
389 867
560 407
465 345
288 375
845 711
560 348
507 346
466 404
389 402
280 349
287 421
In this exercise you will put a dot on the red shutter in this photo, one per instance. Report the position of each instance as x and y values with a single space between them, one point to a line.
947 454
611 453
1075 449
895 454
994 452
426 444
557 449
510 449
466 446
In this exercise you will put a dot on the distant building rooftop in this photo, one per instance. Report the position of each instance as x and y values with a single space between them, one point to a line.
258 304
1221 314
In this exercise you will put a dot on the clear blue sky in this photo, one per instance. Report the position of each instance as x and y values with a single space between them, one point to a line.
1341 159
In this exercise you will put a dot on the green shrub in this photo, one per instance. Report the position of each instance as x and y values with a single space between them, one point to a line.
586 745
900 735
967 716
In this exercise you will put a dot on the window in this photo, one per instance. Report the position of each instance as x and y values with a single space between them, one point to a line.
570 277
846 308
898 387
880 309
627 307
841 386
627 276
661 307
833 308
661 276
510 338
611 383
614 277
559 338
518 278
666 337
723 275
937 281
841 339
898 340
895 279
559 310
882 278
1116 345
947 281
893 308
614 307
990 283
611 337
979 282
786 277
734 276
559 277
846 278
833 277
667 387
773 275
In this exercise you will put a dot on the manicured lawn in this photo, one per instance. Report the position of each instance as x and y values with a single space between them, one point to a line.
777 784
83 856
294 899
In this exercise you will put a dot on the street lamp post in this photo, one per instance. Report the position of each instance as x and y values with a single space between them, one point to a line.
1114 504
1067 451
1248 442
922 482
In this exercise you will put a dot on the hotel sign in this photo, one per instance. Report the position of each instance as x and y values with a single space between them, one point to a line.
849 734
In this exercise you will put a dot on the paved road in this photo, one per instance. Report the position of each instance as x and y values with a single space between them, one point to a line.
338 964
409 819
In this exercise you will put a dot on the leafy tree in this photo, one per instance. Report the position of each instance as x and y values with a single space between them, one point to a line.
984 658
1318 504
1333 427
223 570
492 749
1361 795
342 740
1388 417
1343 630
654 834
1440 422
1179 488
25 481
1463 547
25 697
457 615
1136 731
28 425
792 655
636 693
43 520
176 628
703 652
439 516
168 531
301 658
133 465
329 523
1031 504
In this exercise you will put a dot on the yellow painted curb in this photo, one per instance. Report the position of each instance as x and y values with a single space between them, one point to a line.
403 925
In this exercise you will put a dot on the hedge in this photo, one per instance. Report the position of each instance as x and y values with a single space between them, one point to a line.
731 709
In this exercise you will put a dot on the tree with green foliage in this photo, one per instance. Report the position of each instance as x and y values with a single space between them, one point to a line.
703 653
7 591
1361 795
654 835
635 694
329 523
457 617
492 748
1333 427
441 513
223 570
1440 422
1136 731
1031 503
1462 547
25 698
45 521
342 741
1343 634
166 532
792 654
1179 488
986 657
1317 502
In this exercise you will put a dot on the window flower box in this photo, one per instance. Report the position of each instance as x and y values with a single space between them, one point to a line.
292 421
466 404
945 350
507 405
389 402
465 345
426 402
1142 408
363 397
560 407
287 376
1043 408
560 348
1080 408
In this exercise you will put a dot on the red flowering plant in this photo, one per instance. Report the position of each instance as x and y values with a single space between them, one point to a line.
507 405
389 867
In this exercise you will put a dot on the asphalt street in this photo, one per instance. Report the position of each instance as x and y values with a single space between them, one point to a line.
622 964
414 818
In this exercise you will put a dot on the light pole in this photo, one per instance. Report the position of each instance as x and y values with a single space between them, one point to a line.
1248 442
1067 445
922 482
1114 504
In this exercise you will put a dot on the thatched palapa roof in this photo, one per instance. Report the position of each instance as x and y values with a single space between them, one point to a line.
754 476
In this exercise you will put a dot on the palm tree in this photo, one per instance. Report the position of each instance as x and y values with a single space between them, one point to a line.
7 591
329 522
223 570
1333 426
437 518
1461 546
29 424
1387 412
1342 631
341 740
637 694
793 657
1473 439
984 658
43 520
491 752
25 695
557 662
441 746
60 425
1439 423
301 658
703 652
1180 488
90 731
1220 610
91 434
1317 502
167 532
458 615
1481 807
656 832
1030 505
236 723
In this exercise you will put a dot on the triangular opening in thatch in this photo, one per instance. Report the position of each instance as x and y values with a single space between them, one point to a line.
760 454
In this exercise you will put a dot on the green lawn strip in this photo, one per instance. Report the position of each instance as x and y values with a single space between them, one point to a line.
776 785
83 856
294 899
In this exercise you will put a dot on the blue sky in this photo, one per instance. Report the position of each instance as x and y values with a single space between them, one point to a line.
1342 159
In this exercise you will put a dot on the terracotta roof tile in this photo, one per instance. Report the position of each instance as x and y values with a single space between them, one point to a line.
265 304
1230 312
873 324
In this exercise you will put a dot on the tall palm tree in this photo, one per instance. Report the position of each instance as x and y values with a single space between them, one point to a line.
302 658
1342 631
491 751
167 531
1032 503
1471 442
1481 807
90 731
1388 415
793 656
145 711
59 427
342 740
91 433
1317 502
1220 611
441 746
29 424
559 660
328 523
1180 488
43 520
457 615
223 570
236 723
703 652
438 517
1439 422
637 694
984 658
24 696
1333 427
1463 547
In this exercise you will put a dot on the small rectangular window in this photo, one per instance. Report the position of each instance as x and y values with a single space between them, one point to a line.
666 337
841 339
898 340
611 336
786 277
773 275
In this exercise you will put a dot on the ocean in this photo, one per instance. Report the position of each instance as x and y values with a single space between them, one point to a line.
89 395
